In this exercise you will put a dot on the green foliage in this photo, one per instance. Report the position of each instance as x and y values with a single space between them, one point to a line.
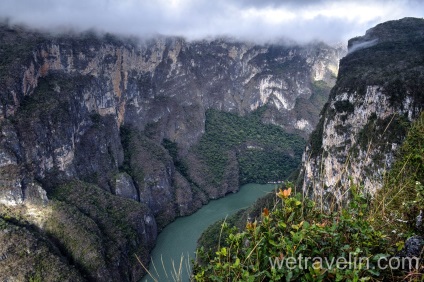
179 163
294 228
401 198
264 152
210 238
10 53
38 275
36 278
419 198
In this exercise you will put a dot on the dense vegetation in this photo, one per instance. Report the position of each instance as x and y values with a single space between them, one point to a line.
264 152
294 228
369 230
402 197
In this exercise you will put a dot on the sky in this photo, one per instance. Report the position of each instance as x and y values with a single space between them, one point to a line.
331 21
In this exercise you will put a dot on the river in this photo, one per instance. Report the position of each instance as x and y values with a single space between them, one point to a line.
178 239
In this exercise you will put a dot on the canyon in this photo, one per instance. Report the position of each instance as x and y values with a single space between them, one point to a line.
105 140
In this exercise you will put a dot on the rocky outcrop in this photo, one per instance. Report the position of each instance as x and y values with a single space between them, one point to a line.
379 91
124 187
83 112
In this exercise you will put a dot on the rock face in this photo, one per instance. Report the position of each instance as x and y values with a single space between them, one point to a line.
124 187
413 247
379 91
79 109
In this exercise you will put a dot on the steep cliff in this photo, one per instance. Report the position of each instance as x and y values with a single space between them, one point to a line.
101 136
379 91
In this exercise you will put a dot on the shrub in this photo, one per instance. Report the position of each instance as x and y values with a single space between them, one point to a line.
292 230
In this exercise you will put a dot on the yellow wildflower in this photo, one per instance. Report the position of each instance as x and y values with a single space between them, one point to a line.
284 194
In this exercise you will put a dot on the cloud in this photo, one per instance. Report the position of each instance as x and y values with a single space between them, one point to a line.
362 45
255 20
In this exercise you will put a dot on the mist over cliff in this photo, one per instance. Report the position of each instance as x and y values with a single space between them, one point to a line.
256 21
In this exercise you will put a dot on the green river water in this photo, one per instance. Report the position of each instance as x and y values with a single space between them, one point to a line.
178 239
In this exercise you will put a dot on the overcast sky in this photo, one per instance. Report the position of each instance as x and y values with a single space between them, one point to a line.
258 20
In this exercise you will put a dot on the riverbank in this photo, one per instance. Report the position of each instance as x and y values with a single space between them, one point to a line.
179 239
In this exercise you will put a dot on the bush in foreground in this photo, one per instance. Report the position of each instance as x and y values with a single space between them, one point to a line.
296 242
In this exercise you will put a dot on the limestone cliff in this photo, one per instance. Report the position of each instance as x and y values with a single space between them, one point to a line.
379 91
84 119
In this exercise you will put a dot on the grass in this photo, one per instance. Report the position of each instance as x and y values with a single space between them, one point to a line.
401 198
175 274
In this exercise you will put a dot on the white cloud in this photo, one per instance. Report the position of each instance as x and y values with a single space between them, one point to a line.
259 20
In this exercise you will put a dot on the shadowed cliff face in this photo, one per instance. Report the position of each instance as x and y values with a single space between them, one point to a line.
379 91
81 109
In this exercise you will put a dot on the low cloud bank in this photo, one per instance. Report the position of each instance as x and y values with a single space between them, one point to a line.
254 20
